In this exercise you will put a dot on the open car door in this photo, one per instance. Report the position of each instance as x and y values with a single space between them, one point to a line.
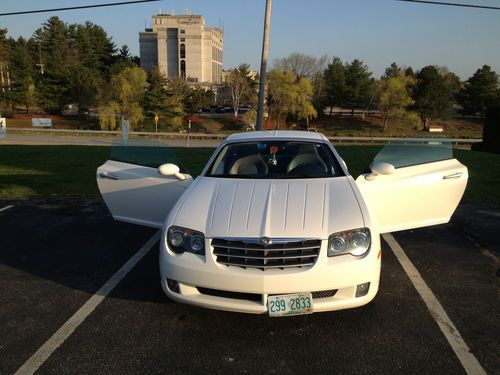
132 187
414 183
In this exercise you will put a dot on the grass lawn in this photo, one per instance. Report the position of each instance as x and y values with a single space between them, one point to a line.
52 171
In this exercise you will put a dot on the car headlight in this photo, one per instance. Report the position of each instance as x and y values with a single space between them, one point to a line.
355 242
180 240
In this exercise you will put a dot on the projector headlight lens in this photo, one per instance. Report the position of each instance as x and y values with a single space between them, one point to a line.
181 240
355 242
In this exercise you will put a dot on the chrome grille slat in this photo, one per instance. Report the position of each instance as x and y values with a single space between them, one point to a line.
246 265
294 253
266 249
265 257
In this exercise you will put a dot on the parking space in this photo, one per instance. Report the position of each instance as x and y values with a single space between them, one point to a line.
464 280
53 257
73 248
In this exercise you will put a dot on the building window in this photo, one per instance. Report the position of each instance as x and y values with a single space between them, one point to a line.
183 51
183 69
183 39
183 31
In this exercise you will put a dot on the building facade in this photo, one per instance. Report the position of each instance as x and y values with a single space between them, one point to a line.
181 46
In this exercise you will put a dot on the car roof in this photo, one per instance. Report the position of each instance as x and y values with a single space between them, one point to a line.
276 134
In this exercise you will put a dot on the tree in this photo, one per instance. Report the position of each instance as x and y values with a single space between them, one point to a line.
22 72
53 91
240 85
55 45
94 48
395 97
303 66
124 53
197 99
56 56
107 116
76 59
287 96
451 80
392 71
432 95
310 67
280 94
360 84
178 90
303 108
479 91
4 59
84 85
335 84
155 99
409 72
4 46
126 97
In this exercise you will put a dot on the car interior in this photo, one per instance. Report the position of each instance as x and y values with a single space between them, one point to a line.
275 160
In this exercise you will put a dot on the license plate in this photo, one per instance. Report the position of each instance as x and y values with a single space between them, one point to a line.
290 304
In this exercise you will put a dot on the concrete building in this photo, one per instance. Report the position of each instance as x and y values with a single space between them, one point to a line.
181 46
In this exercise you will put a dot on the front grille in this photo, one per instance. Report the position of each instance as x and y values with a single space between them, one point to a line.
252 255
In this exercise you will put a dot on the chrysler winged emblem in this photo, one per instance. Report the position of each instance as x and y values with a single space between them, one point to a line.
265 241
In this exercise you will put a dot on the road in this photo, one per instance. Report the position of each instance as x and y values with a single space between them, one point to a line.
74 247
46 139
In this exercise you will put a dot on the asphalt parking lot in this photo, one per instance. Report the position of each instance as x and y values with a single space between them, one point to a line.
55 255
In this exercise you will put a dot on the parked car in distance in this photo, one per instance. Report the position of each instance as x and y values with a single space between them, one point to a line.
275 224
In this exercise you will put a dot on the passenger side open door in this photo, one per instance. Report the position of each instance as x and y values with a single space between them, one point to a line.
132 186
414 183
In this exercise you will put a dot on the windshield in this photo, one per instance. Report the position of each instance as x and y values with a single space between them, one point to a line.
275 159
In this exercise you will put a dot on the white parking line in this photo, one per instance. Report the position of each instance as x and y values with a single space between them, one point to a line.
44 352
6 208
457 343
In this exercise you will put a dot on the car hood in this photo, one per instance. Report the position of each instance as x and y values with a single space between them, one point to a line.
229 208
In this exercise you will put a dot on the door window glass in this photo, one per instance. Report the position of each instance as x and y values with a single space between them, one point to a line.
146 153
415 151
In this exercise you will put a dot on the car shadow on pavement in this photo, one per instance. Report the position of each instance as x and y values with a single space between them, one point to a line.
71 243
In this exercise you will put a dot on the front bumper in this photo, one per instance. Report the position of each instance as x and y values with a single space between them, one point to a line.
249 288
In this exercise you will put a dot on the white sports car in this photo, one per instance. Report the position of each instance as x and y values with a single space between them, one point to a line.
275 224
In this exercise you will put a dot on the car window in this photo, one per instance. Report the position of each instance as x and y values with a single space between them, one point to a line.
146 153
415 151
275 159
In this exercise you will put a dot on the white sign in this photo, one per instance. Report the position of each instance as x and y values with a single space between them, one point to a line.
3 127
41 122
125 127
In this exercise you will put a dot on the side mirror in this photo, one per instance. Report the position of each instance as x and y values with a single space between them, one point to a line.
380 168
170 169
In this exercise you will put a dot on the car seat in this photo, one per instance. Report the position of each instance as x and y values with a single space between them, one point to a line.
307 159
249 165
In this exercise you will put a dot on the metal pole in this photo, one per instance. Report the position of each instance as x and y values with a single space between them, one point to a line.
263 65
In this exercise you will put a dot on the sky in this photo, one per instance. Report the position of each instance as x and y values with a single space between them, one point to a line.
378 32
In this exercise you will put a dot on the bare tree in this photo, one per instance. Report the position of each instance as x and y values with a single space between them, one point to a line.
240 85
303 66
